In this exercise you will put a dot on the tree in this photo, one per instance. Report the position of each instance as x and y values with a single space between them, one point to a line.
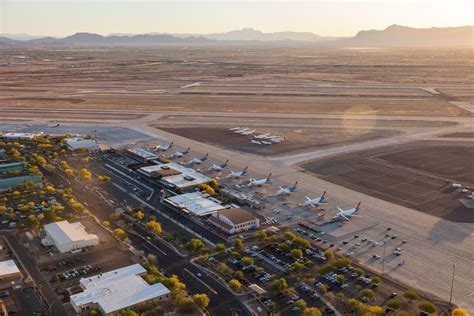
359 271
154 227
342 262
326 268
427 307
411 295
289 235
279 285
106 223
329 253
297 266
393 304
259 270
247 261
120 233
201 300
139 215
459 312
309 264
368 293
341 278
311 311
296 253
235 254
235 284
283 246
376 280
194 245
33 222
238 244
301 242
238 275
260 235
301 304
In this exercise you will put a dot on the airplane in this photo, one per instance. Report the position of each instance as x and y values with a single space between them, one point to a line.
266 143
53 125
198 161
238 131
234 129
260 182
215 167
180 154
165 147
287 191
347 214
262 136
237 174
255 142
316 201
248 132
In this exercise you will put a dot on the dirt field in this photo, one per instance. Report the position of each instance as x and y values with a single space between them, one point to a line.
461 135
254 79
296 139
415 175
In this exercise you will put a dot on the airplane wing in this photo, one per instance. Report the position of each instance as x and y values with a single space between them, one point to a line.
343 216
340 209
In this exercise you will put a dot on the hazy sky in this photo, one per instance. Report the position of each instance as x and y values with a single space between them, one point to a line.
328 17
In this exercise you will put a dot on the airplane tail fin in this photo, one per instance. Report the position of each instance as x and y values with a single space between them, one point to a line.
294 187
269 176
357 208
323 196
245 170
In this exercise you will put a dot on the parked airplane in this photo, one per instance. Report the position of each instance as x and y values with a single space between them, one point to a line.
180 154
248 132
287 191
347 214
266 143
255 142
262 136
215 167
238 131
198 161
237 174
234 128
53 125
260 182
165 147
316 201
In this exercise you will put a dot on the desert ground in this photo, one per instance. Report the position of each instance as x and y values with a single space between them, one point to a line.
388 127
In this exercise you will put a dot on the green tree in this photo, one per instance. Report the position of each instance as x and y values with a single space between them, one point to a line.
311 311
194 245
201 300
235 284
341 278
139 215
260 235
220 247
279 285
238 244
329 253
376 280
154 227
427 307
296 253
410 295
283 246
247 261
289 235
120 233
238 275
359 271
301 304
342 262
393 303
326 268
368 293
298 267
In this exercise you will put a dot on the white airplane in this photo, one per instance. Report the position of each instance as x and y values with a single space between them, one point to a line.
238 131
180 154
53 125
198 161
262 136
248 132
287 191
237 174
316 201
347 214
215 167
266 143
255 142
260 182
234 128
165 147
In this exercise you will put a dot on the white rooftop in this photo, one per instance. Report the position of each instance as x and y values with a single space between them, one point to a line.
197 203
118 289
20 135
8 267
78 143
145 154
64 232
188 177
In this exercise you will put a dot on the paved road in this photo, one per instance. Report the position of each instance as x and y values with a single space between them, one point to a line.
29 264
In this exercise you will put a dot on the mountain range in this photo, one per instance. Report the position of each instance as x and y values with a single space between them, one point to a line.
392 36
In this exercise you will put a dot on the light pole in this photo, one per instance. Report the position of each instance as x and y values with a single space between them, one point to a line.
452 284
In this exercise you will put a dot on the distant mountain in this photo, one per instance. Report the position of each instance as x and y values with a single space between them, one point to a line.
403 36
249 34
21 36
392 36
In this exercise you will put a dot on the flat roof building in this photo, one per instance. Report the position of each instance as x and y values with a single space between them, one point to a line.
9 270
175 176
77 143
141 154
234 220
118 289
67 236
195 203
19 136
